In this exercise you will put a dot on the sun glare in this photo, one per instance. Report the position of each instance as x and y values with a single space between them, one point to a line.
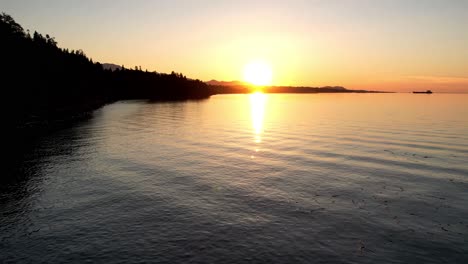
258 73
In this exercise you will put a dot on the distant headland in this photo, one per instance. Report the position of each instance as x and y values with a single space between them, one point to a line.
222 87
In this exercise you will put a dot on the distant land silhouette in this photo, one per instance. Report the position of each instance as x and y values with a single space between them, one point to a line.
221 87
224 83
111 66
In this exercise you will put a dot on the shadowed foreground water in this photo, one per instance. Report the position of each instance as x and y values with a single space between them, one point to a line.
325 178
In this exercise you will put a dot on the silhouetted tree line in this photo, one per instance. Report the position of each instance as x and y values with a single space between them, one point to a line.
42 83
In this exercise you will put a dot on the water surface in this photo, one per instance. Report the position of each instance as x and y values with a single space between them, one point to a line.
320 178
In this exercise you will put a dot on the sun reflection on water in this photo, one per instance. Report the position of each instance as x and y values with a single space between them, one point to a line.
257 106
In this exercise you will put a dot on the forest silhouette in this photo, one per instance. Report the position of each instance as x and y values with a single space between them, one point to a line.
44 84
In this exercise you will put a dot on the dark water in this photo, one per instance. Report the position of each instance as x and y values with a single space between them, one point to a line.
365 178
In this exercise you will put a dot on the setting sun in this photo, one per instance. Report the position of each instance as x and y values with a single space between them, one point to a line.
258 73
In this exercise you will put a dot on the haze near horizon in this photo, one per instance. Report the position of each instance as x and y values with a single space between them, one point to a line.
385 45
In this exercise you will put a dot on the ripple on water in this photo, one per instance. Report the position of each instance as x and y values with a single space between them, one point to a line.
296 178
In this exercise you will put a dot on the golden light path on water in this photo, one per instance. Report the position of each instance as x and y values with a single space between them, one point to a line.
257 106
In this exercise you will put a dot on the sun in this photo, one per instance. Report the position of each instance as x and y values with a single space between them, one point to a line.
258 73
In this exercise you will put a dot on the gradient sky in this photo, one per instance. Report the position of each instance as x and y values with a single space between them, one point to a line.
361 44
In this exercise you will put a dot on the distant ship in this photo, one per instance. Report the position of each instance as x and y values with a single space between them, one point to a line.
426 92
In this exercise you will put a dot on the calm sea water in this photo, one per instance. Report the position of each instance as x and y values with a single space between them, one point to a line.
321 178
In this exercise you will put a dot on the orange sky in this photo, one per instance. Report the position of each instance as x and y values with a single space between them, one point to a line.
362 44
